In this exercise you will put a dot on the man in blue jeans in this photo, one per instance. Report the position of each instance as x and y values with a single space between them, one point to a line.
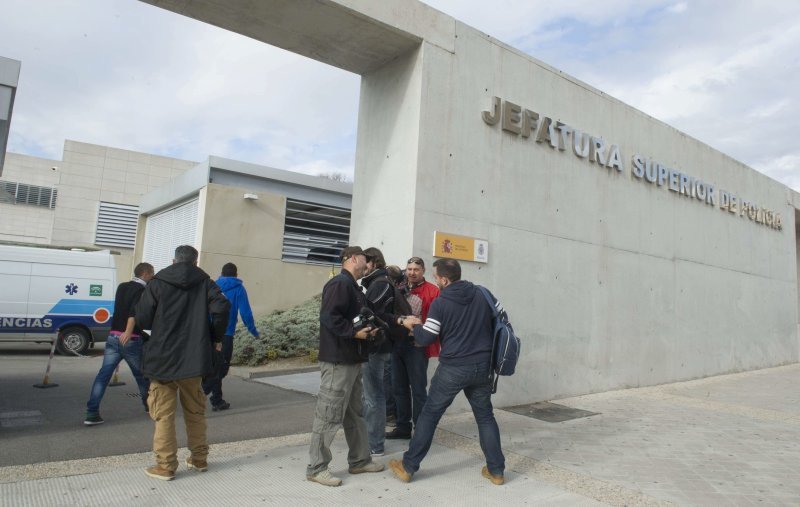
381 300
463 320
124 342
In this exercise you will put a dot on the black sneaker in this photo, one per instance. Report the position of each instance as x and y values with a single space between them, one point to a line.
93 420
223 405
396 434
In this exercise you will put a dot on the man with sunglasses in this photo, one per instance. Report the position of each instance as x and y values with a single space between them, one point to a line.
342 350
410 362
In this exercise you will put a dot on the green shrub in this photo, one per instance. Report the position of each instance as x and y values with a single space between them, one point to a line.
290 333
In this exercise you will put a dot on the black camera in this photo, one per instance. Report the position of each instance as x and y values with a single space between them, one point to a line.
367 318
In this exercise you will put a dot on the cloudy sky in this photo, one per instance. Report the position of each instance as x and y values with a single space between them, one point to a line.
126 74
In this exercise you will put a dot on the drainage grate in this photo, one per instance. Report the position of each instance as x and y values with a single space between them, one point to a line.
549 412
133 395
21 418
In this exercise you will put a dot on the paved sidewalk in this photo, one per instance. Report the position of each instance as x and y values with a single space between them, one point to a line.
729 440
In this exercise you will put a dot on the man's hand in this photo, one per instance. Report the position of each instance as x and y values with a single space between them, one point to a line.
365 332
411 321
124 337
218 346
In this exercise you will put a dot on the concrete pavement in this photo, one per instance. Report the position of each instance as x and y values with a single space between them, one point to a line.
728 440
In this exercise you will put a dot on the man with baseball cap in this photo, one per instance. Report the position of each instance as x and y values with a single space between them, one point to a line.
342 350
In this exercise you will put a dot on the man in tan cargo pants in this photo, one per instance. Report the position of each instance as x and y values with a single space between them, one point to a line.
187 315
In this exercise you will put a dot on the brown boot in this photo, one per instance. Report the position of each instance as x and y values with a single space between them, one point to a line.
399 470
497 480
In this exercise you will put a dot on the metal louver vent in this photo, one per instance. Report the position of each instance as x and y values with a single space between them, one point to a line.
116 225
314 233
32 195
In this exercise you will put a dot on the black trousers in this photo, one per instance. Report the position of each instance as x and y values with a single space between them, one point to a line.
213 383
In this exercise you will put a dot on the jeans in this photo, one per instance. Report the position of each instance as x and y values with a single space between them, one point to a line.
114 354
163 405
374 400
447 382
410 382
388 388
339 405
213 384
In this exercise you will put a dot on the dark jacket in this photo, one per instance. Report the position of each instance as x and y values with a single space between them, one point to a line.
185 311
463 320
342 300
380 299
128 294
233 289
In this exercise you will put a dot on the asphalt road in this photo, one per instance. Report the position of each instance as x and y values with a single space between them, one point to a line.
41 425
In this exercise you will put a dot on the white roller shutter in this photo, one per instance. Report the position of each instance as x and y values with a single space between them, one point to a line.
167 230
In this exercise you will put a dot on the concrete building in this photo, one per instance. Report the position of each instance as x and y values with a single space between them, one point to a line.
626 252
283 230
9 79
88 199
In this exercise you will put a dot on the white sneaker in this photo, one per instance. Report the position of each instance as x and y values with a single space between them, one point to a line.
326 478
377 454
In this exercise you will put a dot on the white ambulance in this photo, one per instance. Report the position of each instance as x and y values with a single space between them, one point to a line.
46 293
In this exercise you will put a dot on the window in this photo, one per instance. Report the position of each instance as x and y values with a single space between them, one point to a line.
167 230
314 233
33 195
116 224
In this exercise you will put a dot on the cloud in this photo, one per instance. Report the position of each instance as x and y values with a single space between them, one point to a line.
127 74
130 75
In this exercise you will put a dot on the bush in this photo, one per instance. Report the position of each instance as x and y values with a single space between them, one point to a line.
289 333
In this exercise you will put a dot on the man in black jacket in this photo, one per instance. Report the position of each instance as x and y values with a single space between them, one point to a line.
342 349
124 342
464 321
187 315
381 300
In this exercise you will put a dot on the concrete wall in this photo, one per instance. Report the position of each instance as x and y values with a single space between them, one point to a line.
248 233
611 281
23 223
91 173
387 168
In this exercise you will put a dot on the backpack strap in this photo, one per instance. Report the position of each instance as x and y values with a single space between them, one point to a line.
495 315
489 300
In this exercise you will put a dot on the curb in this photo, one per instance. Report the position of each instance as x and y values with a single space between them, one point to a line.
249 374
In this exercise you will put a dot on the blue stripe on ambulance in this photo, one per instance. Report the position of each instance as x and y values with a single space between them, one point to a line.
66 312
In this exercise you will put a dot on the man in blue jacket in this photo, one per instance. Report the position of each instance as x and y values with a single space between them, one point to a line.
463 320
234 290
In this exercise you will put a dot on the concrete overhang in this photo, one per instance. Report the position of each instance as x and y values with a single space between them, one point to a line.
354 35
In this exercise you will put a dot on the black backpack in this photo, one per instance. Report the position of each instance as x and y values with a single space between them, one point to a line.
506 345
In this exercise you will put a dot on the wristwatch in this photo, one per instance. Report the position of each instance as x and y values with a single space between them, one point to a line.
400 320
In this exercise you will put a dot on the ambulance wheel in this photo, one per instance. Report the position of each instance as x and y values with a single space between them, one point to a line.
73 340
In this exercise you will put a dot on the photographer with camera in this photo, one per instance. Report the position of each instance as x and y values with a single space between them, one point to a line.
381 300
342 349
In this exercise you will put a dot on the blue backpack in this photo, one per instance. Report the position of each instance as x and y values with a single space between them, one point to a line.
506 345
